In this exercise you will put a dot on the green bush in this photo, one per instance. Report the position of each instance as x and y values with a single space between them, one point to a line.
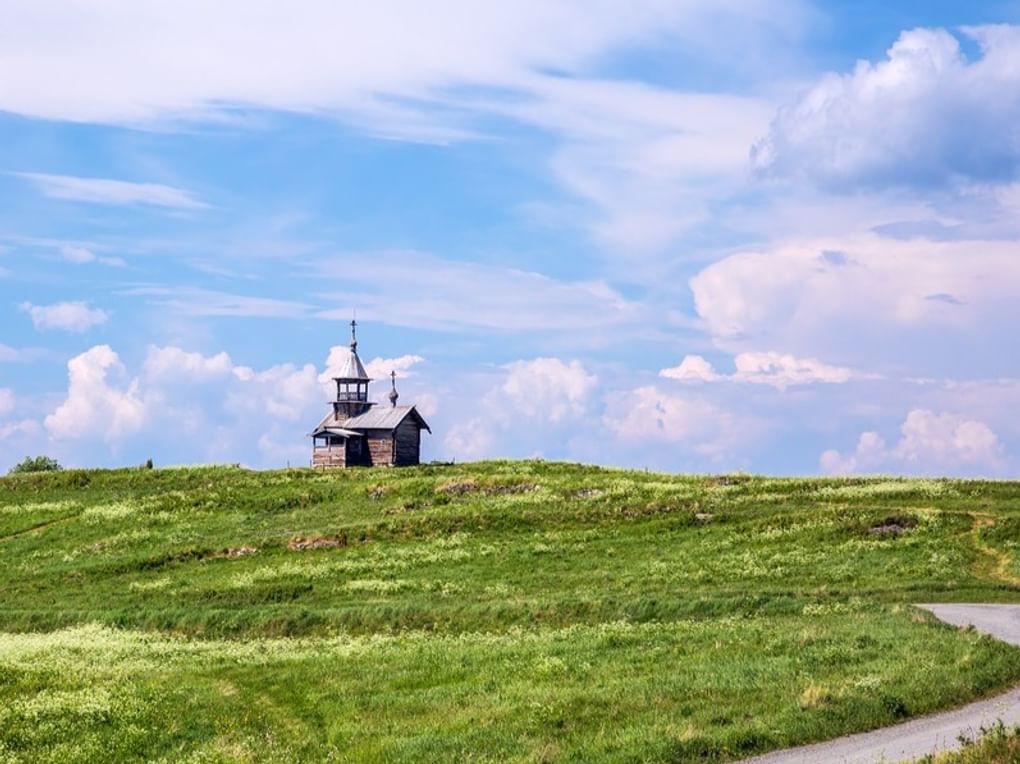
35 464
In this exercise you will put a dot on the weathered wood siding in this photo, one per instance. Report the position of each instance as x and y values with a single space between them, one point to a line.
380 447
331 457
408 443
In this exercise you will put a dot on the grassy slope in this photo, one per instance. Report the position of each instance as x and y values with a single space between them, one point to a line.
526 611
998 745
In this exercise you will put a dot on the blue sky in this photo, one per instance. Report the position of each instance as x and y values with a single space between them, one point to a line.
764 236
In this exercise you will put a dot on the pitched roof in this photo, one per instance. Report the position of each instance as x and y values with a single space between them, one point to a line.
382 418
378 417
352 368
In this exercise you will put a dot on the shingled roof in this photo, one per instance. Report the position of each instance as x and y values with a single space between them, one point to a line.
352 368
376 418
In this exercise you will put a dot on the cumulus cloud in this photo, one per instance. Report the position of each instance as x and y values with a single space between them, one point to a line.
929 442
875 301
286 392
107 191
172 364
768 368
101 401
75 316
470 439
782 369
377 369
548 388
547 395
206 404
648 414
380 368
692 368
6 400
925 115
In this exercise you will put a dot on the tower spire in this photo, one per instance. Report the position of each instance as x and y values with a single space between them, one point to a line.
354 335
393 390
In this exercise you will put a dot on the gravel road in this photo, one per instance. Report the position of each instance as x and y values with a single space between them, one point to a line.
929 734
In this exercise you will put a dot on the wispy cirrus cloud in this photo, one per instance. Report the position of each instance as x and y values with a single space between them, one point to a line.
112 192
390 62
9 354
194 301
421 290
79 255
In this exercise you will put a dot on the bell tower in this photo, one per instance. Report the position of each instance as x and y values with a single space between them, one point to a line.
351 383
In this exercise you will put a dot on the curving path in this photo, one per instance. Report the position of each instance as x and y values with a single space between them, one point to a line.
929 734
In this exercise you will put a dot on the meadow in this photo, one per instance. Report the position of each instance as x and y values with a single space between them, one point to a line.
500 611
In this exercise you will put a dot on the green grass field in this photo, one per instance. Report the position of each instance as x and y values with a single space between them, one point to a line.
504 611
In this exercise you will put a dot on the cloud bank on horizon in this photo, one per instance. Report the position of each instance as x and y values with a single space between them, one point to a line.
776 235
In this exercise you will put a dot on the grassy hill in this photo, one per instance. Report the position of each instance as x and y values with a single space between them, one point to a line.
521 611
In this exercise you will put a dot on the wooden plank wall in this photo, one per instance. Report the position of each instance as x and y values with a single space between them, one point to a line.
380 448
408 443
332 457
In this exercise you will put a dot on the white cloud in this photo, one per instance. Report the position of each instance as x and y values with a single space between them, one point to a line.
925 115
394 65
380 368
929 442
202 403
946 439
548 388
6 400
782 369
767 368
74 316
23 427
172 364
648 414
101 402
532 403
79 255
691 368
870 452
285 392
470 439
648 160
890 297
115 192
23 355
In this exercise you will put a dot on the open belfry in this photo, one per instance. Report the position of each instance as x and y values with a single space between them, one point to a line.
358 432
